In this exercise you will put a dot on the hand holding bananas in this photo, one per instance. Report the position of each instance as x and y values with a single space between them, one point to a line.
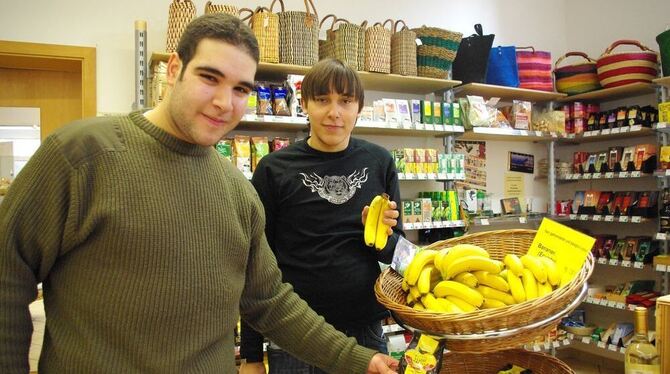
379 218
464 278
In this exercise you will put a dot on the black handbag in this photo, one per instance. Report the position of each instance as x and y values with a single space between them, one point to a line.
472 57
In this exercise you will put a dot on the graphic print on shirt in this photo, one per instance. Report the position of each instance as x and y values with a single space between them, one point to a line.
336 189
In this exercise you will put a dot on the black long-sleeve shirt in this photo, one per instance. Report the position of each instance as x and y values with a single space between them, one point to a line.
313 202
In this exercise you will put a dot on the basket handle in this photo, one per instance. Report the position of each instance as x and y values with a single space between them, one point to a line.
479 29
629 42
251 13
364 24
339 20
323 20
308 19
272 4
395 26
580 54
387 21
529 47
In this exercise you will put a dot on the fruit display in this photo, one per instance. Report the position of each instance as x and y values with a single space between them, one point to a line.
375 232
464 278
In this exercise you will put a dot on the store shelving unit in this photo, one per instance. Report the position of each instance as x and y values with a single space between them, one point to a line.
609 94
506 93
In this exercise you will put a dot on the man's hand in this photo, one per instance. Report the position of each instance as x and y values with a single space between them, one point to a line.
252 368
382 364
390 216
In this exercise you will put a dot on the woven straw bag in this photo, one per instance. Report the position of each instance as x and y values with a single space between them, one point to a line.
299 36
437 51
180 14
361 45
265 26
618 69
403 50
378 48
221 8
576 78
327 46
346 43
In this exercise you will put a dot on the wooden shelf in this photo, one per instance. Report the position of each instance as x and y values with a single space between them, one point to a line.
665 81
492 133
371 81
598 135
633 89
506 93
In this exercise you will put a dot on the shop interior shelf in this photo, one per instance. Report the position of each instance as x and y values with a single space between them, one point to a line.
492 133
506 93
628 90
598 136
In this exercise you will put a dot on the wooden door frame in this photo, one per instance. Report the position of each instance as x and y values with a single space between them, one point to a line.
37 56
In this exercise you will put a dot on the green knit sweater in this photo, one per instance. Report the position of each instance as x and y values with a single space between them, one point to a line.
148 249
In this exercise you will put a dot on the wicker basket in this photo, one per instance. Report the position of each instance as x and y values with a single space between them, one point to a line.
299 36
576 78
498 243
437 51
346 43
487 363
221 8
403 50
622 68
265 26
327 46
378 48
180 14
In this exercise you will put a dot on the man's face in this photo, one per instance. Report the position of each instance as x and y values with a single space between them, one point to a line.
332 118
209 100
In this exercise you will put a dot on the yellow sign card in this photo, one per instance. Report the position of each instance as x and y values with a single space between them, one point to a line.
567 247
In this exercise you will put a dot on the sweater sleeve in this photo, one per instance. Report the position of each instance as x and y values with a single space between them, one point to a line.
272 308
393 190
33 220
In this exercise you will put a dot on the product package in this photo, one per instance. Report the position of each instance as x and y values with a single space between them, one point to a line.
279 143
521 114
259 148
242 153
264 99
225 148
280 101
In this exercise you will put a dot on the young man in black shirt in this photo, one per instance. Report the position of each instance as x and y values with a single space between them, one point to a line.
315 193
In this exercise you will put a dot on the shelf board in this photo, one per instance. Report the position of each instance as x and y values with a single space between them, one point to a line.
596 349
633 89
382 128
604 218
512 219
433 225
598 136
491 133
608 175
371 81
506 93
665 81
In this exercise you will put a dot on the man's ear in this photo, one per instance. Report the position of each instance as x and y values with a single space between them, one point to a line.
174 67
303 104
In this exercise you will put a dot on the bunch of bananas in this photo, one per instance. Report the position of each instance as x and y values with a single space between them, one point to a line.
465 278
375 232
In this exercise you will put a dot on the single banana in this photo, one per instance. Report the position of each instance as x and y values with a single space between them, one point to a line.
461 250
448 306
418 306
513 263
430 302
529 284
543 289
453 288
503 273
404 285
553 277
471 263
492 304
382 236
439 257
371 221
414 292
536 266
467 279
492 280
462 304
409 300
423 284
492 293
421 259
516 287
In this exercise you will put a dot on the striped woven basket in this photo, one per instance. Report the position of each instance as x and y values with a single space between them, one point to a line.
403 50
618 69
378 48
265 26
534 69
437 51
180 14
221 8
327 46
576 78
299 36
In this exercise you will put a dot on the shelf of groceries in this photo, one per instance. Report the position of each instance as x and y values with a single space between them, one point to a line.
604 218
611 175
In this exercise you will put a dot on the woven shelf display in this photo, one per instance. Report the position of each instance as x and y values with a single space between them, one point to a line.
299 36
437 51
378 48
389 293
327 46
403 50
180 14
265 26
487 363
221 8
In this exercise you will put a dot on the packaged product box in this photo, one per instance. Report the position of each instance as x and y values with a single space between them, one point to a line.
601 160
456 114
391 112
426 210
416 111
437 113
399 160
404 112
431 160
642 153
614 157
627 156
664 112
611 119
420 160
407 212
426 112
664 157
592 122
578 110
602 121
378 113
259 148
521 114
621 113
242 153
225 148
634 116
442 162
447 117
452 198
578 125
410 160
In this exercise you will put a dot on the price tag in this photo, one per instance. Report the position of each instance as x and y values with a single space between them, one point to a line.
410 176
616 130
605 132
622 350
407 126
602 345
609 218
661 267
553 134
431 176
613 348
624 174
577 176
522 220
636 219
438 224
661 236
555 344
420 126
609 174
441 175
626 263
401 176
588 134
587 176
667 172
586 340
539 133
570 136
596 176
589 299
430 127
635 128
393 125
439 127
566 341
602 260
603 302
421 176
408 226
570 336
573 216
614 262
661 125
611 304
638 265
621 305
584 217
418 225
635 174
623 219
523 132
625 129
597 217
485 222
536 347
630 307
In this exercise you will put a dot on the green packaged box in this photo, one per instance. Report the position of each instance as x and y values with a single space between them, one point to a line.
437 113
426 112
456 114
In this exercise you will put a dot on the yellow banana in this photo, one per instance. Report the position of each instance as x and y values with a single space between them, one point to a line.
513 263
553 277
409 300
404 285
492 293
461 250
370 229
543 289
536 266
448 306
529 284
467 279
418 306
462 304
470 263
430 302
492 303
414 292
503 273
516 287
492 280
421 259
423 284
382 235
439 257
453 288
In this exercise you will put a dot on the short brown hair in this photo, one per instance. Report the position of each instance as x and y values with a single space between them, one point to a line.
332 75
216 26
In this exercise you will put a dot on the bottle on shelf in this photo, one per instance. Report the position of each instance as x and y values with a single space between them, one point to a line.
641 356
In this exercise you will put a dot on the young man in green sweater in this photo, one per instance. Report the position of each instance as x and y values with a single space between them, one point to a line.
148 244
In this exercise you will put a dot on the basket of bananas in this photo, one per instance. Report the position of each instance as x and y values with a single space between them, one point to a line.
482 292
503 362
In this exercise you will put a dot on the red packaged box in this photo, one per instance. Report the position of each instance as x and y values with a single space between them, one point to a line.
578 110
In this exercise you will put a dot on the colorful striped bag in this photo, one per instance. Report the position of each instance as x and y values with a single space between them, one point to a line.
622 68
576 78
534 69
